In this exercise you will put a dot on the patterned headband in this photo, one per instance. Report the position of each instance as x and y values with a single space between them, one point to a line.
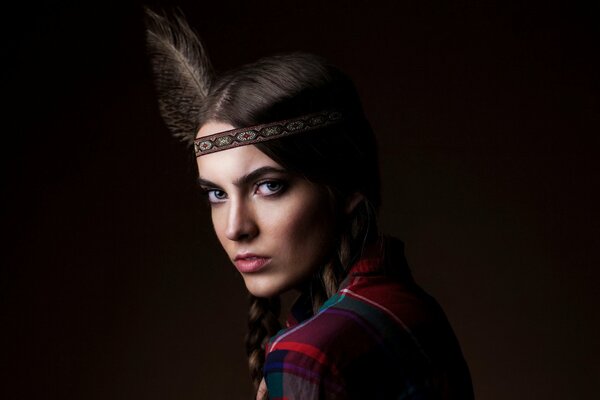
261 133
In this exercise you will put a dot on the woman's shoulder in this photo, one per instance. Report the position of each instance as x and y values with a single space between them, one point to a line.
360 337
370 314
379 336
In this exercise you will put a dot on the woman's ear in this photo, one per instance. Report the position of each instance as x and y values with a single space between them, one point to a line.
352 201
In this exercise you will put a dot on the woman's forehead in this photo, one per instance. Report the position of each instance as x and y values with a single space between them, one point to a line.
232 164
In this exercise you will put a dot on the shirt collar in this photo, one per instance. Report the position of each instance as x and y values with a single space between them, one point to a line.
385 256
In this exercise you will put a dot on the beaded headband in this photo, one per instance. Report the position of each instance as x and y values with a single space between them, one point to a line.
261 133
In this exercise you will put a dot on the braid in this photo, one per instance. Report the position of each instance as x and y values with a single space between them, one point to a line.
359 229
263 322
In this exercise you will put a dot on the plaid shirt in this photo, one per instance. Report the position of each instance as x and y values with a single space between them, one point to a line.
379 337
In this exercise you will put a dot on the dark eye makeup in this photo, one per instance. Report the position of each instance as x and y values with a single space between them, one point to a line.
264 188
271 187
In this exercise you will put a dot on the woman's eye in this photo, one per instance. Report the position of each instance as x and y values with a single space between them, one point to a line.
270 187
216 196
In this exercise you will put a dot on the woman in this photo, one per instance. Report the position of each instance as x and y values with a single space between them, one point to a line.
288 164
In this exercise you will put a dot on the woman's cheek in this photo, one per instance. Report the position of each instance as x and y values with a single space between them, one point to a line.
291 221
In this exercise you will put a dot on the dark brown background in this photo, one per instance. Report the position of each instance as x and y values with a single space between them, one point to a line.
113 286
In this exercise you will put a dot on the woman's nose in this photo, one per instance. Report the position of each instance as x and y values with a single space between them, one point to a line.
241 224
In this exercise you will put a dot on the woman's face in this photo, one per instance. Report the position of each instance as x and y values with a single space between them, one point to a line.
276 227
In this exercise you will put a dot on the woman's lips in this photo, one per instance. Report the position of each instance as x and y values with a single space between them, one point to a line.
250 263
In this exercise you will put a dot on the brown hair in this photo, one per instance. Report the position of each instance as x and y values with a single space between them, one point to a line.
342 158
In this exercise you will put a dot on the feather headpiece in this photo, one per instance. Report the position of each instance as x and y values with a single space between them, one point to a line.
182 72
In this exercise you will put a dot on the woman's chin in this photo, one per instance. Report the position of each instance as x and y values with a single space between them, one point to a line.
262 292
261 287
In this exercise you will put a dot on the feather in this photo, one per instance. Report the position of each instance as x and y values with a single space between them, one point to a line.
182 72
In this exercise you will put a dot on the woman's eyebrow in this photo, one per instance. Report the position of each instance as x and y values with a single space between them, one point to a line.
244 180
205 182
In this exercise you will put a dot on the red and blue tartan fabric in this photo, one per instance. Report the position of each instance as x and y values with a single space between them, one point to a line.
379 337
